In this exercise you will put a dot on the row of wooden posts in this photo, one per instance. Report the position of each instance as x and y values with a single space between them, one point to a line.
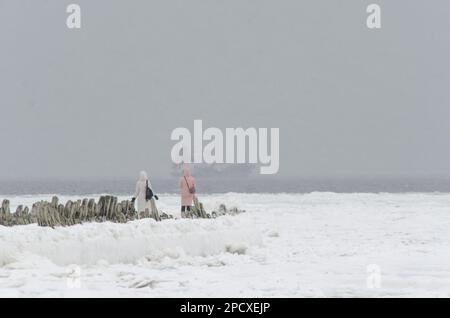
108 208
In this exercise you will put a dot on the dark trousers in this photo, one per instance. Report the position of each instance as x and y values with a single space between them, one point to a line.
185 208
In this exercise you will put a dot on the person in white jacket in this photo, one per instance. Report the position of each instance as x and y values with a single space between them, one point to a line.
140 194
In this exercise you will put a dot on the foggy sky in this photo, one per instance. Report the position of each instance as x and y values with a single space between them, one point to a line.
103 100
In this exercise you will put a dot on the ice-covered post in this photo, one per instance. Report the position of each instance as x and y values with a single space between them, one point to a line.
5 214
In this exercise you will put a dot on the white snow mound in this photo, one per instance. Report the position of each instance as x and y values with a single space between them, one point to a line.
92 243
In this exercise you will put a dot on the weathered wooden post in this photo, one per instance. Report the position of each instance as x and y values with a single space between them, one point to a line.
91 206
26 215
6 212
1 216
67 212
41 214
18 216
155 212
34 213
53 212
62 219
75 212
113 208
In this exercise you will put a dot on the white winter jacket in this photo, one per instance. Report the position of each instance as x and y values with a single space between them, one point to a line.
139 194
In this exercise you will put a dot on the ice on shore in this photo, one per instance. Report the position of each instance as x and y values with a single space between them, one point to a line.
317 244
113 243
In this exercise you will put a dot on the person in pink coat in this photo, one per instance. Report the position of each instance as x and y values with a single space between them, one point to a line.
187 190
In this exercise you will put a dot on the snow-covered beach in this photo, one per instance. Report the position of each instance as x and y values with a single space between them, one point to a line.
286 245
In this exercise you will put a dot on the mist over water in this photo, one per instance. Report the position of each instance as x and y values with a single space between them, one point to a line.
125 186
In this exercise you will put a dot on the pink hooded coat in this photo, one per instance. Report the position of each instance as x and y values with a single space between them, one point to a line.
186 196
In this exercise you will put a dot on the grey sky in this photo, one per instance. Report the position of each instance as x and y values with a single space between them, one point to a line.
103 100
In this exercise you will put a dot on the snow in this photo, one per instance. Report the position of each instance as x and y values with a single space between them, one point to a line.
285 245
